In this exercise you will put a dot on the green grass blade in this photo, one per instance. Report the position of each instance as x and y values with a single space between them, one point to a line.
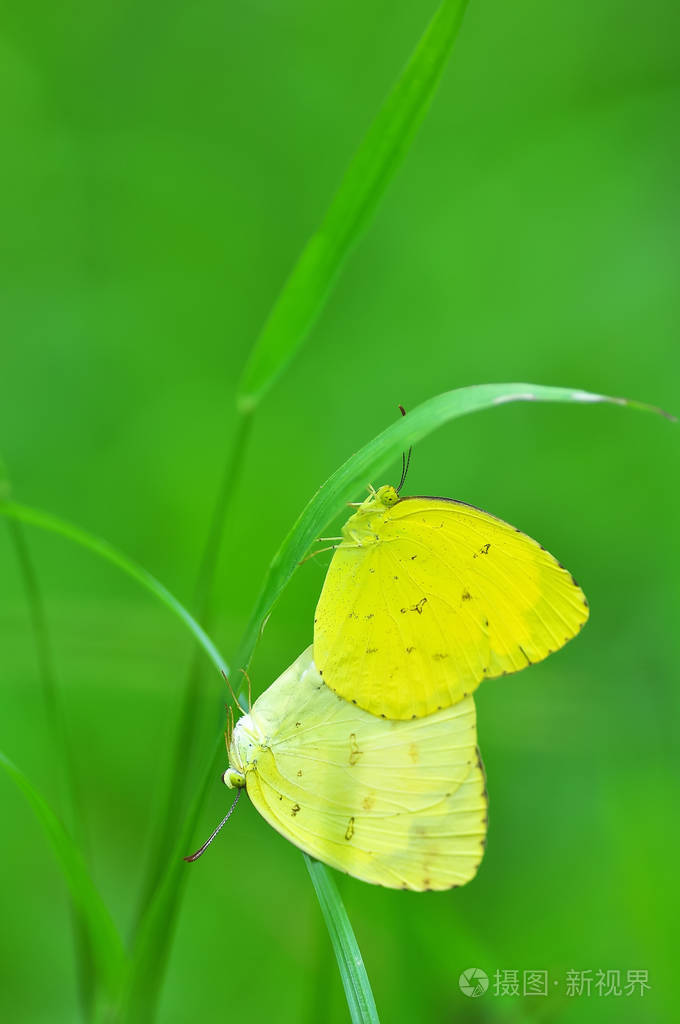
144 975
45 521
172 799
154 935
368 465
48 679
358 992
105 944
364 182
65 766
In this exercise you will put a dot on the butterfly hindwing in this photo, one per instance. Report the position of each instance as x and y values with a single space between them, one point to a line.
400 804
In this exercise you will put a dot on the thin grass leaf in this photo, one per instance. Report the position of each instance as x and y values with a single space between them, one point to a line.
105 944
45 521
143 975
64 760
358 992
152 944
65 767
172 799
378 157
374 459
48 678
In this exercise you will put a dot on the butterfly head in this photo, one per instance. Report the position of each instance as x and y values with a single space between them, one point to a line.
244 743
377 501
233 779
361 527
386 496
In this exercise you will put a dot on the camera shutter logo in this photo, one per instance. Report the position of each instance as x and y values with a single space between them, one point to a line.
473 982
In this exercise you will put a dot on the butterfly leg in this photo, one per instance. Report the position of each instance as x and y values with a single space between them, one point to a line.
313 554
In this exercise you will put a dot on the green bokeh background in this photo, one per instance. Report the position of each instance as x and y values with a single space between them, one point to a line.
163 165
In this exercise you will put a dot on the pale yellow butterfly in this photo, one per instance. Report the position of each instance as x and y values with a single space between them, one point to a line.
400 804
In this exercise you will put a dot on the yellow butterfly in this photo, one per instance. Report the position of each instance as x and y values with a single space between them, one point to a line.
400 804
425 597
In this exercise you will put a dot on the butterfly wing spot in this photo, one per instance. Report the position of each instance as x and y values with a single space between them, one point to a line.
354 752
368 802
466 596
300 772
298 724
413 557
415 607
439 656
413 753
367 617
371 650
349 831
294 809
484 550
410 650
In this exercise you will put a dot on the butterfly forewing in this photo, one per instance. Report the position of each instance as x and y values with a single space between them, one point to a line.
443 597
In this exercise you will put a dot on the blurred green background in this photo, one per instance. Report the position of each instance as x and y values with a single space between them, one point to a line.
163 165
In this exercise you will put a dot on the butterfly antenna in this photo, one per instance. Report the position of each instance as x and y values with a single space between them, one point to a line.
405 459
229 732
225 819
231 691
250 692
